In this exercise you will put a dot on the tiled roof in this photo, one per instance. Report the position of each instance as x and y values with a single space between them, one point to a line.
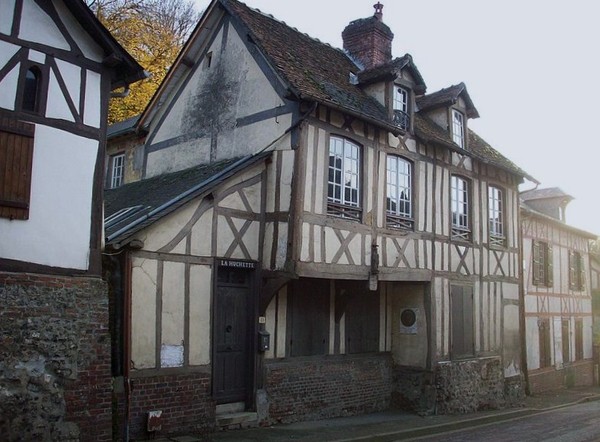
550 192
477 147
122 127
447 97
314 70
134 206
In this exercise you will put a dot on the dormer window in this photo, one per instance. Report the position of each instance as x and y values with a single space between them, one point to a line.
401 117
458 128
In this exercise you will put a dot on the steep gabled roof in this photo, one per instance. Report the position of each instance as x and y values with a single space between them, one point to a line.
447 97
391 70
126 69
477 147
132 207
312 69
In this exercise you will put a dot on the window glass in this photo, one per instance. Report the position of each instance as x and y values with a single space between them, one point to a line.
399 192
31 89
117 169
458 128
401 117
495 216
343 187
459 188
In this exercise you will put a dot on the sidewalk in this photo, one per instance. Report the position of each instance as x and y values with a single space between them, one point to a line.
393 424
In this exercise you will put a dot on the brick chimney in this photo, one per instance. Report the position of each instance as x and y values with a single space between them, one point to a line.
369 40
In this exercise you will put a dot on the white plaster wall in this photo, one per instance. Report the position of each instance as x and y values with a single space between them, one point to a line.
143 312
173 304
87 45
58 230
245 89
93 99
532 339
7 8
200 319
37 26
57 104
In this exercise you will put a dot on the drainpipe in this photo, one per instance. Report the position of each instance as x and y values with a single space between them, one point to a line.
522 324
126 269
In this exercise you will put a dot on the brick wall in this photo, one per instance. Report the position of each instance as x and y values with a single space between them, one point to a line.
55 380
576 374
323 387
184 399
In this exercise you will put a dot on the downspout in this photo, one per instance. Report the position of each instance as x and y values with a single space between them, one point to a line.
522 323
126 270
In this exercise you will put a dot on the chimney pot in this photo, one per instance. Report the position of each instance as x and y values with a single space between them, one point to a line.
378 11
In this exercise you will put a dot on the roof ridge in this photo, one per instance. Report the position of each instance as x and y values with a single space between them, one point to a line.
272 17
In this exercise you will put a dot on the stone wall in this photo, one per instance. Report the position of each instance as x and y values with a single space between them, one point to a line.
324 387
55 379
469 386
576 374
184 399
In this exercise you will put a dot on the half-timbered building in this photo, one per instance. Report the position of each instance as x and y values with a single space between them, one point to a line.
557 293
348 243
58 65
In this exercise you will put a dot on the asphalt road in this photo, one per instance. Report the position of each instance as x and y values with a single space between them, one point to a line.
576 423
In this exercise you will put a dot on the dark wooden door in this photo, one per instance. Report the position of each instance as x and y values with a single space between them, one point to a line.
231 363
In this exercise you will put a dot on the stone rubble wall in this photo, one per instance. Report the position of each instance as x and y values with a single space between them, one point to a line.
55 374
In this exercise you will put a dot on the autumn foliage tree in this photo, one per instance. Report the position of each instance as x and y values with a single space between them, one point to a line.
153 32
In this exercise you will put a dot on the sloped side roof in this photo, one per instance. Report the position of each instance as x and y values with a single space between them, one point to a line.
477 147
447 97
132 207
126 69
547 193
529 211
314 70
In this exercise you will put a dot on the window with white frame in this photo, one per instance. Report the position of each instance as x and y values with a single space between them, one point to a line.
459 200
496 216
343 188
401 117
117 166
458 128
399 210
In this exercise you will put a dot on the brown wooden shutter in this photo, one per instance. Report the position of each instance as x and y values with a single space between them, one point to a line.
16 159
581 269
463 341
550 266
536 263
572 272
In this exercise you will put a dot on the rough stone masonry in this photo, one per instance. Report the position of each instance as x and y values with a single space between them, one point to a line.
55 379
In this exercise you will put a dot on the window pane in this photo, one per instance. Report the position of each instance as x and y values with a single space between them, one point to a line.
31 90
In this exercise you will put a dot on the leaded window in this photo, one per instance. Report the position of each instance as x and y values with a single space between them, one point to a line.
343 189
496 216
399 210
459 201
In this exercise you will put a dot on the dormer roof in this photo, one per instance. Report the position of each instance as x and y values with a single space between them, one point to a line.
391 71
548 193
447 97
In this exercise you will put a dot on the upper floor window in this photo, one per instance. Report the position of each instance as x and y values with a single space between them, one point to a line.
117 169
401 117
576 271
399 210
459 188
458 128
31 89
343 189
496 216
542 264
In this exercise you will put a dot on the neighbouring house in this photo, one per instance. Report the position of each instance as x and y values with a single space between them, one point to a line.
58 65
313 235
557 293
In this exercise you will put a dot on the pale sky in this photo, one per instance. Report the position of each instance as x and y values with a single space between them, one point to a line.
532 69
